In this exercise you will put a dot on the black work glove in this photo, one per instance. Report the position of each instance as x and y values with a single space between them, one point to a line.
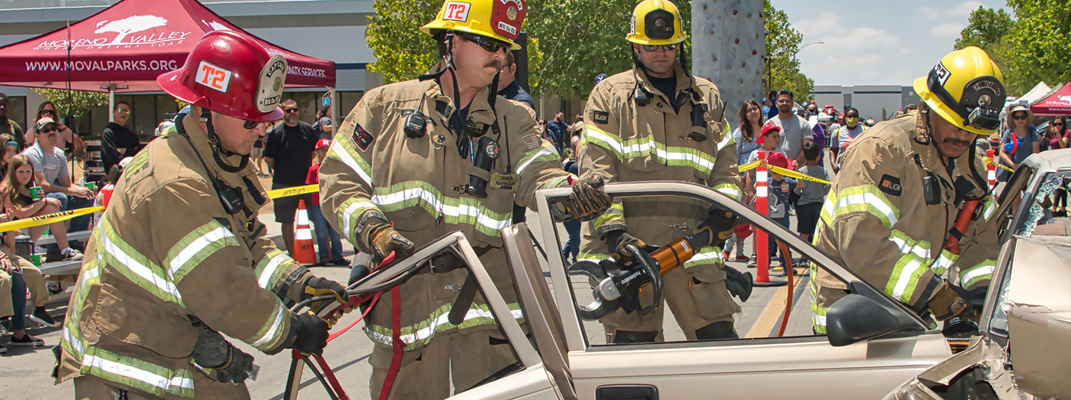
384 239
588 200
310 335
221 361
739 285
719 224
616 242
950 301
317 286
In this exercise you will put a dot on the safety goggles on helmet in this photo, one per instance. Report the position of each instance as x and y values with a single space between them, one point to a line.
973 106
654 47
489 44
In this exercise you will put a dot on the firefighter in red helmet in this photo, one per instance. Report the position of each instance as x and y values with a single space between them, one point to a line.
179 256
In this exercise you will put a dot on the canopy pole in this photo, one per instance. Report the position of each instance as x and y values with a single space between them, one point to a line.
334 111
111 103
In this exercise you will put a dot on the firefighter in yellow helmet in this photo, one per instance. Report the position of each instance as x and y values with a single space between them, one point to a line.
419 159
179 256
911 211
658 122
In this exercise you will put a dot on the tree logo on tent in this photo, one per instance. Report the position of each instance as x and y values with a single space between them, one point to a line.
126 30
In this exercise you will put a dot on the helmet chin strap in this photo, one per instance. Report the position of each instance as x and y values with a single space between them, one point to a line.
213 140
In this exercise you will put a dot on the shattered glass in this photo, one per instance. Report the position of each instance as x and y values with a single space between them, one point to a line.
1036 213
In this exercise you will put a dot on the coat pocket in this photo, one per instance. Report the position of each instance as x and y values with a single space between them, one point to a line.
139 321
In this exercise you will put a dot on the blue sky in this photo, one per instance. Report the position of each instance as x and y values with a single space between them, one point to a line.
876 42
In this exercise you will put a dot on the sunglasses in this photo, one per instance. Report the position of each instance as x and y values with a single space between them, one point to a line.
122 111
1020 116
251 124
491 45
666 47
1057 124
293 109
47 130
53 112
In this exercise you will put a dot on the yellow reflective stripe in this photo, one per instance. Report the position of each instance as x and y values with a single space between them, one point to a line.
273 331
197 246
866 198
122 257
905 277
352 210
270 268
727 139
543 153
558 182
139 374
604 139
592 257
989 209
706 256
944 262
828 207
818 313
616 212
977 273
418 335
343 151
454 210
729 189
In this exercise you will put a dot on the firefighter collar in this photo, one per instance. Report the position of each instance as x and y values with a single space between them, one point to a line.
480 112
684 82
929 159
201 145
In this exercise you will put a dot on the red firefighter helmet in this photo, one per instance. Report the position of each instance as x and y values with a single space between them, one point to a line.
231 74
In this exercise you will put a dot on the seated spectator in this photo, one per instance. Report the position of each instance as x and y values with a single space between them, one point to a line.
50 172
15 274
8 149
20 204
66 135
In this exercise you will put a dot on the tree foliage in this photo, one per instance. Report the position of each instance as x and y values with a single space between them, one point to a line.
1030 47
402 51
782 45
569 43
75 103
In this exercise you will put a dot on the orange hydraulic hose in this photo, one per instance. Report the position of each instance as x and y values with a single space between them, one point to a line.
790 270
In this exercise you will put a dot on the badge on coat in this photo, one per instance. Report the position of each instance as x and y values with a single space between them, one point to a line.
601 117
890 184
505 181
361 137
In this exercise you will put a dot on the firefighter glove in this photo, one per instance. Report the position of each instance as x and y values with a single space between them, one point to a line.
310 335
950 301
214 356
616 241
739 285
384 239
317 286
588 199
719 224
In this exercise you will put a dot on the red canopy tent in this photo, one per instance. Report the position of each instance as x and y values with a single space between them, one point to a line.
1056 102
124 47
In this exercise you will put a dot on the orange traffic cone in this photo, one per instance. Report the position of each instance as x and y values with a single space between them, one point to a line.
303 250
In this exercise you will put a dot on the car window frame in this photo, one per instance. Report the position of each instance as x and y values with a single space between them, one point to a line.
576 337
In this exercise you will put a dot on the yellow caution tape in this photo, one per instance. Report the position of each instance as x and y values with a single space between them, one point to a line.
749 166
48 218
989 160
786 172
293 191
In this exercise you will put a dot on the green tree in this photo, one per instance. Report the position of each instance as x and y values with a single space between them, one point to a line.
75 103
989 30
402 51
782 66
1038 43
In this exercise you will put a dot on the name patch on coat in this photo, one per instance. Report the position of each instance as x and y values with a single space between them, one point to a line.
890 184
601 117
361 137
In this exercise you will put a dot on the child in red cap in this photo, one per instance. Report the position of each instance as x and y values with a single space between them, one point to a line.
323 229
780 187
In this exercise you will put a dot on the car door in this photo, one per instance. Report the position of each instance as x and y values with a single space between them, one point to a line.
800 366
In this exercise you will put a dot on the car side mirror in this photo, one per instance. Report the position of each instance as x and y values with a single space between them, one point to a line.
856 318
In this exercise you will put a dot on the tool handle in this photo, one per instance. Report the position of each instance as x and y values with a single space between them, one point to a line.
679 251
